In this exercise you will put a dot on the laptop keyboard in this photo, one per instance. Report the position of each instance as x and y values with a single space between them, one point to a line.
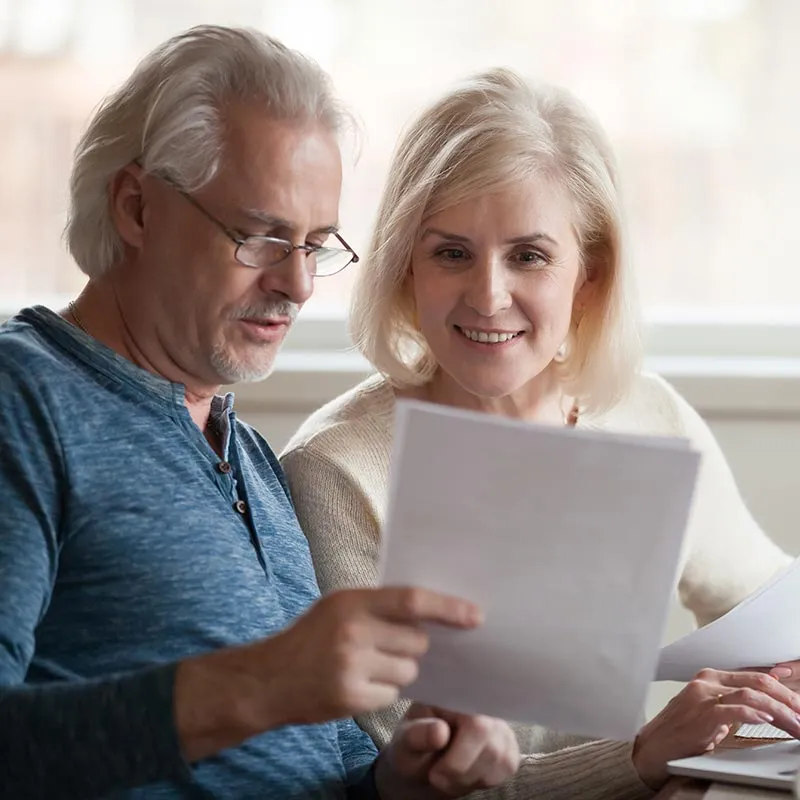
764 731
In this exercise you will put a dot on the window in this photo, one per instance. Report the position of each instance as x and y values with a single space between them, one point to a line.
699 97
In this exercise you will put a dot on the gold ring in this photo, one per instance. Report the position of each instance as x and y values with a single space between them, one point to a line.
719 697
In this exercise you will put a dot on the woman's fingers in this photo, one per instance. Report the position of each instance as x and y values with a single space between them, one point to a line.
773 711
719 736
758 682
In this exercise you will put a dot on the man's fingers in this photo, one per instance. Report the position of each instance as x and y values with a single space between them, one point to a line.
421 711
401 640
412 605
450 771
424 736
392 670
490 769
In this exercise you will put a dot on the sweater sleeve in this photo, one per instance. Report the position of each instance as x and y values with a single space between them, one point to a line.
343 531
728 554
600 770
67 739
343 535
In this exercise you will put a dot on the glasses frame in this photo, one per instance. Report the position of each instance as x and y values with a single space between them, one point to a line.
240 240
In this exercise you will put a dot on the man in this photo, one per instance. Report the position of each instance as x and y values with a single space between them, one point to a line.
160 629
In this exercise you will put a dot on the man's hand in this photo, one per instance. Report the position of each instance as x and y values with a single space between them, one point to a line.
353 651
440 754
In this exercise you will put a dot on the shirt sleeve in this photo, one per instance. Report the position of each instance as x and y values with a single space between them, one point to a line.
65 739
358 754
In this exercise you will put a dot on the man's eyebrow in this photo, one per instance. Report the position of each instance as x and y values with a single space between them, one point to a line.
271 222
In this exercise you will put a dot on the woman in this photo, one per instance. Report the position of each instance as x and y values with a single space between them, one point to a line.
497 280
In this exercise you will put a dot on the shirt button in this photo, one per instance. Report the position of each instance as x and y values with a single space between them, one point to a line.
224 467
240 506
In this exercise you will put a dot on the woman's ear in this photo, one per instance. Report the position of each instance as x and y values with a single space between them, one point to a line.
586 286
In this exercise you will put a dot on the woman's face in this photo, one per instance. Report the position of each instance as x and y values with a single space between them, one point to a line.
495 280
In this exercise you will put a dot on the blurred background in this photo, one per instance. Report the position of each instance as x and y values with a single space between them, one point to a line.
701 101
699 97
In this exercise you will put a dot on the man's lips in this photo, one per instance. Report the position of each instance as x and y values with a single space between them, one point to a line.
266 329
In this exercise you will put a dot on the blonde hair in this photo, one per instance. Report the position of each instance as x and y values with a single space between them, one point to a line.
169 115
489 133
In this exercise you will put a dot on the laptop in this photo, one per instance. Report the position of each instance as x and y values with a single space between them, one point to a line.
771 766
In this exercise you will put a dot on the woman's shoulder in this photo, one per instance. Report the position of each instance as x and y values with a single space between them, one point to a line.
651 406
365 412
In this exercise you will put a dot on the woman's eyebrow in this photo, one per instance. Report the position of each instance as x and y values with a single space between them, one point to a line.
444 235
539 236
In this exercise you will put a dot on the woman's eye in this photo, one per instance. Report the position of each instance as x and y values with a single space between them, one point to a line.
451 254
531 258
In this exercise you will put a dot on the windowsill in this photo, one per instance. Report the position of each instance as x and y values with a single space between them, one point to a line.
746 369
302 381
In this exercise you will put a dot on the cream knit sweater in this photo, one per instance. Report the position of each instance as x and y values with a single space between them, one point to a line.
337 467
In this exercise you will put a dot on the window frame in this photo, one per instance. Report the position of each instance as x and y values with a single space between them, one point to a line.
722 366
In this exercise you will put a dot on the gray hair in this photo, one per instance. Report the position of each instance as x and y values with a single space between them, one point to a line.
486 134
169 116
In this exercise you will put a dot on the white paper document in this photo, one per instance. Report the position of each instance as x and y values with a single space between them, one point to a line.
569 540
762 630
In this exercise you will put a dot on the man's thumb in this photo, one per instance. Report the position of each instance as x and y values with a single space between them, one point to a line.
419 742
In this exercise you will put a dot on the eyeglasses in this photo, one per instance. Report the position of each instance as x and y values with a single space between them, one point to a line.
262 252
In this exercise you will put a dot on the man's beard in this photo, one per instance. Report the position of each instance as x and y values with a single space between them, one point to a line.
231 369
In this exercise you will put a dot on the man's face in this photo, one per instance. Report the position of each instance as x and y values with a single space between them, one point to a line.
218 320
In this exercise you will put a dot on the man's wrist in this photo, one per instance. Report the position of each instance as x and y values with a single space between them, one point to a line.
220 700
365 787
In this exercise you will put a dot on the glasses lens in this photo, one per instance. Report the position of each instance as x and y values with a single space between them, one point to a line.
330 260
260 252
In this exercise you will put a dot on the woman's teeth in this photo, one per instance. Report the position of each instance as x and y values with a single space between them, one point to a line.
488 338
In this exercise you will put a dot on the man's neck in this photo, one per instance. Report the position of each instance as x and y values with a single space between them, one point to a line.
100 314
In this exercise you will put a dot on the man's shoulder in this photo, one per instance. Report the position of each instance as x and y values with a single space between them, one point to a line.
28 358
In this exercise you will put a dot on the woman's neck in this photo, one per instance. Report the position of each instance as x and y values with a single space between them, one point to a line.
541 400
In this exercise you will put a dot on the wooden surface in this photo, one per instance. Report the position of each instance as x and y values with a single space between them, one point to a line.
683 789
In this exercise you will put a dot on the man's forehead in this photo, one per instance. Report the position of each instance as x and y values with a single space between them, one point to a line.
253 138
270 221
280 175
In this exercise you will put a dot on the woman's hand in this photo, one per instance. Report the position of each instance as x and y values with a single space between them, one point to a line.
788 673
702 715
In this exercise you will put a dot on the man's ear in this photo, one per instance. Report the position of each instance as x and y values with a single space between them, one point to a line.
127 204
